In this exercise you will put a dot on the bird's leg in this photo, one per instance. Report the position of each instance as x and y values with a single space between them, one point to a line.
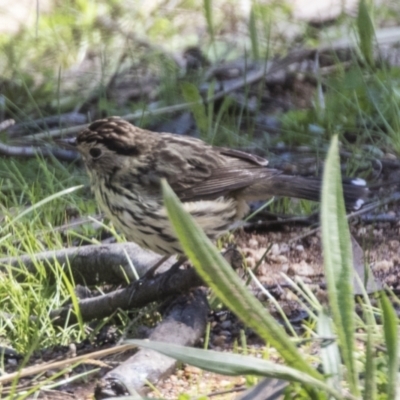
150 273
175 266
171 271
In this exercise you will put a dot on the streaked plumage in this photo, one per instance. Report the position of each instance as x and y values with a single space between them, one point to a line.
125 164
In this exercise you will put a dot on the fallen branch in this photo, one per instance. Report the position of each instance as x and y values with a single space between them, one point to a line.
33 151
136 295
89 265
184 324
67 119
54 365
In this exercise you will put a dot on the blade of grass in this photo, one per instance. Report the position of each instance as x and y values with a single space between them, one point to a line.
390 327
366 32
370 369
192 96
253 33
41 203
329 352
210 23
338 261
234 364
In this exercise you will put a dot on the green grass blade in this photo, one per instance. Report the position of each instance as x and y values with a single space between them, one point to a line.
390 327
42 203
218 274
253 34
366 32
234 364
330 355
209 18
192 96
370 369
338 261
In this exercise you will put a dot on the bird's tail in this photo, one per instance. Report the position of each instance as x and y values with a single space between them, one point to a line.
354 190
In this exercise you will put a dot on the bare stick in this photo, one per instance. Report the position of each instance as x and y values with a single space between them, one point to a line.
184 324
32 151
135 295
89 265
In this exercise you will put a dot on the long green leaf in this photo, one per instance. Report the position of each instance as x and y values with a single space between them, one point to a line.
366 32
209 18
192 96
390 329
370 369
218 274
330 356
234 364
338 263
253 33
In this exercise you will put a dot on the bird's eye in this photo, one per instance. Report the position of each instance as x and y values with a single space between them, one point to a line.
95 152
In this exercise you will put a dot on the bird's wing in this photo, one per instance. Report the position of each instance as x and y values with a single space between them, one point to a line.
207 172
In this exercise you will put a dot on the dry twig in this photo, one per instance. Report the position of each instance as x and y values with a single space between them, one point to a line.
184 324
89 265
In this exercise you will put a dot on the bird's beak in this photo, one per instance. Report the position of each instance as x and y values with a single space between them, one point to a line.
67 143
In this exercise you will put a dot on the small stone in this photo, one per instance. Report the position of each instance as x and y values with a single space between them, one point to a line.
189 369
302 268
299 248
290 296
219 341
226 324
390 156
383 265
281 259
12 362
362 231
253 243
275 249
284 248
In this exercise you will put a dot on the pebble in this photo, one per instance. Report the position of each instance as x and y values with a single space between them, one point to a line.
390 156
219 340
362 231
189 369
284 248
383 265
299 248
275 250
253 243
302 268
226 324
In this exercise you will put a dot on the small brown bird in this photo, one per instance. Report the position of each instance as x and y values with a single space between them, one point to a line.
125 164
